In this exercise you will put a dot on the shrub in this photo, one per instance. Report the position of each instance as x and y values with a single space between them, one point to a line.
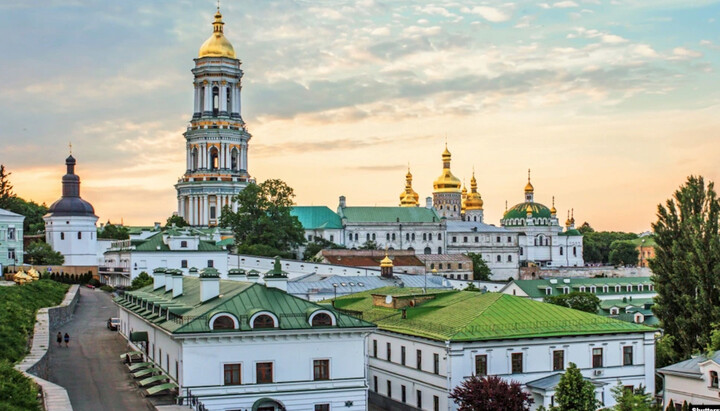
107 288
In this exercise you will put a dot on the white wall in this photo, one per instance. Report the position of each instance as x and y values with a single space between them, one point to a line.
296 268
62 234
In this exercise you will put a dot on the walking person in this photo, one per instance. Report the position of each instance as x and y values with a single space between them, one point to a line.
59 339
67 339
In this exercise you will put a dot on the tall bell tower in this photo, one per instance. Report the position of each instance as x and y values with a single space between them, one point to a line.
216 141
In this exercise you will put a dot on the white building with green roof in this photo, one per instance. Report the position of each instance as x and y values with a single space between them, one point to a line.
177 248
235 345
427 344
541 238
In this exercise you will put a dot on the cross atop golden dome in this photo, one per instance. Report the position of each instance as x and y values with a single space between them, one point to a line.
386 262
553 211
217 45
409 198
529 187
447 182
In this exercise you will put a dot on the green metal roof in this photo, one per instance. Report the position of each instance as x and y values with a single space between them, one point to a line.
316 217
470 316
571 232
238 298
389 215
520 211
536 288
155 243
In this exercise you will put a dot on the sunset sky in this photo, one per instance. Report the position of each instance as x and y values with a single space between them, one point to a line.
611 103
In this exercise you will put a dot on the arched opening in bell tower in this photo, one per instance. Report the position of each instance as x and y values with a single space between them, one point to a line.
214 159
194 158
215 101
234 159
228 105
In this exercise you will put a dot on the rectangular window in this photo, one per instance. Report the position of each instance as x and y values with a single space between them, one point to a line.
509 239
212 212
436 403
375 384
597 360
79 235
321 370
517 363
375 348
183 244
389 351
419 398
402 355
233 374
481 365
419 359
11 253
183 264
322 407
403 394
497 240
454 240
558 360
389 389
628 355
211 264
436 363
332 238
264 372
177 370
11 233
465 239
167 362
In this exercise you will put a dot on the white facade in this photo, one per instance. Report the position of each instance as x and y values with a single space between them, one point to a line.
70 223
498 246
456 361
694 380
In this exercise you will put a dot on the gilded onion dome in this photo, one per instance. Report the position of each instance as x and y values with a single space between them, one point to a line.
474 200
463 198
568 222
217 45
553 211
386 262
409 198
447 182
529 187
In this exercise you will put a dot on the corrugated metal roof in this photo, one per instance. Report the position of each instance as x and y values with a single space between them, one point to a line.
473 316
690 367
302 286
536 288
316 217
155 243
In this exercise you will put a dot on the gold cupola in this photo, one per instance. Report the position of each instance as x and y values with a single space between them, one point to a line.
474 200
409 198
529 187
217 45
447 182
553 211
568 222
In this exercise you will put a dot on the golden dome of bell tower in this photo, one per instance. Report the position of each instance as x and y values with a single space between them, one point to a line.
217 45
409 198
447 193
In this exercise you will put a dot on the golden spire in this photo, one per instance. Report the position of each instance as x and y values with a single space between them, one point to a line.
474 200
553 211
572 216
529 187
217 45
447 182
409 198
568 222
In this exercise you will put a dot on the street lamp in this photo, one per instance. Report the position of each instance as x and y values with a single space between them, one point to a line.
335 286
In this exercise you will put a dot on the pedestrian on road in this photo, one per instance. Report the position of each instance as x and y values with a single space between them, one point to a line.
67 339
59 339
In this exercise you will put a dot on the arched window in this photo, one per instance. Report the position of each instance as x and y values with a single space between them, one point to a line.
427 250
234 163
424 236
413 236
215 101
574 251
202 98
373 236
321 319
263 321
429 236
387 236
222 322
509 258
439 250
356 236
561 251
440 266
228 101
499 258
614 311
393 236
214 160
194 158
439 238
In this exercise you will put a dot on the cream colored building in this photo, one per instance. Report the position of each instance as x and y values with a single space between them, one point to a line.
694 380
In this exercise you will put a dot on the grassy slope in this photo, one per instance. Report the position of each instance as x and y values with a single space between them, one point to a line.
18 306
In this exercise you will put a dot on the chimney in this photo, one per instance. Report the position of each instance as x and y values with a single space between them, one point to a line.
168 280
209 284
177 279
157 225
237 274
276 278
158 278
428 202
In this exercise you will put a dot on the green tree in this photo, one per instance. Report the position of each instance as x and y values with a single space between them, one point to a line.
586 228
631 400
369 245
471 287
596 244
318 244
665 351
41 253
113 231
6 188
576 300
142 280
686 267
623 252
481 271
263 224
177 220
574 393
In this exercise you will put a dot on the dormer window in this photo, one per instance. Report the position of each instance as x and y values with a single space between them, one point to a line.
617 288
566 290
582 288
614 311
548 290
263 320
593 289
640 287
322 318
223 321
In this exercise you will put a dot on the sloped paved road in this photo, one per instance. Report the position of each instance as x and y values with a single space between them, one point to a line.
90 368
